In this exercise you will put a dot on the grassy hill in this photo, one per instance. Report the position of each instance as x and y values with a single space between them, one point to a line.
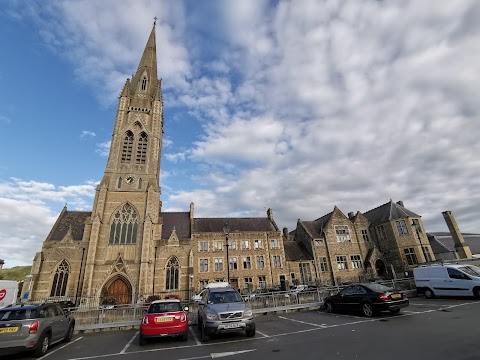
15 273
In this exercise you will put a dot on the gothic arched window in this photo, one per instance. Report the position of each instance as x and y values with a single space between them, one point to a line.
144 83
124 226
60 279
127 147
142 149
172 274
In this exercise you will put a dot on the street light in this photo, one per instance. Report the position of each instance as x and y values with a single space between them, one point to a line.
226 230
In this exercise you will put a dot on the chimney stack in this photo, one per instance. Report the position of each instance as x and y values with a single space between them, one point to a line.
351 215
462 249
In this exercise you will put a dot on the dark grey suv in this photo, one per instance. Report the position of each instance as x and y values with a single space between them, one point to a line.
222 309
34 328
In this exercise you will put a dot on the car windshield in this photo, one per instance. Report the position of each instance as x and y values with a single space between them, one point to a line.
164 307
23 314
378 287
471 270
224 297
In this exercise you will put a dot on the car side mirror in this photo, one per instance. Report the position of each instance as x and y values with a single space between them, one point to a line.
185 309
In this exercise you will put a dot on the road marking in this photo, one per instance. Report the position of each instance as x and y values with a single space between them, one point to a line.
264 335
340 315
60 348
410 312
303 322
195 336
230 353
129 343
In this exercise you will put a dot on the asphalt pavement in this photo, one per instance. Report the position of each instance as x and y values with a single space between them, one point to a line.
441 329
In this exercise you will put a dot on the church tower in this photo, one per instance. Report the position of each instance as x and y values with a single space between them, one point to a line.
125 219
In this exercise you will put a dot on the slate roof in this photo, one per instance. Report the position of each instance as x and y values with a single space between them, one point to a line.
315 227
235 224
67 219
387 212
446 240
178 220
296 251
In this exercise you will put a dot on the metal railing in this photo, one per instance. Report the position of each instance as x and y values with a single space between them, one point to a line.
118 316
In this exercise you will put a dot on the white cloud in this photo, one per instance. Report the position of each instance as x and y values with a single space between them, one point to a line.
103 148
5 119
28 210
86 133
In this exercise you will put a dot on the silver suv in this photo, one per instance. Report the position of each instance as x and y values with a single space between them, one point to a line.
222 309
34 328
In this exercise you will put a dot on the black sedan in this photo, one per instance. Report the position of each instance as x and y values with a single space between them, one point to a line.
369 298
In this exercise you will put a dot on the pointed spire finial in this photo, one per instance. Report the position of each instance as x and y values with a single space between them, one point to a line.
155 21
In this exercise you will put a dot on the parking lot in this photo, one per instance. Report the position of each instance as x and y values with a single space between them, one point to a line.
428 328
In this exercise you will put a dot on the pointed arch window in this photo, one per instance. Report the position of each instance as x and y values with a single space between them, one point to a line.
142 149
127 147
172 274
144 83
124 227
60 279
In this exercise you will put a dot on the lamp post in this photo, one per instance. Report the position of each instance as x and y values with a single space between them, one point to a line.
226 231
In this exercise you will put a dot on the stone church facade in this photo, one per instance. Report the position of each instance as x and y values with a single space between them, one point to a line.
127 249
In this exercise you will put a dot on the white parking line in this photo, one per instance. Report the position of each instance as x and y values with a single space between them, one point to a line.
340 315
129 343
303 322
195 336
264 335
60 348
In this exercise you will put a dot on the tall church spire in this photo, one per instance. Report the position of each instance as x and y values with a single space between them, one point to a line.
145 81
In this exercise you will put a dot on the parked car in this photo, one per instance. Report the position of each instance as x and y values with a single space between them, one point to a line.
447 280
198 297
164 318
222 309
34 328
370 298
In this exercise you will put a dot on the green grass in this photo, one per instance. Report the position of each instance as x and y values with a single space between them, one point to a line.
17 273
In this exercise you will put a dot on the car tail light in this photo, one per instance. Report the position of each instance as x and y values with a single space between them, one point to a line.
145 320
183 318
383 297
33 328
404 296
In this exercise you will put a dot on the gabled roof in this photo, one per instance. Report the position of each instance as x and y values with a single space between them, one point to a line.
180 221
387 212
296 251
70 219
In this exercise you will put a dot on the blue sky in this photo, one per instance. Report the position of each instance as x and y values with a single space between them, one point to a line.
298 106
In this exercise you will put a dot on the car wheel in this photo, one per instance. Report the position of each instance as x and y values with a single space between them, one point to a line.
428 293
185 336
42 345
204 335
394 311
250 332
69 335
141 340
476 292
367 309
329 307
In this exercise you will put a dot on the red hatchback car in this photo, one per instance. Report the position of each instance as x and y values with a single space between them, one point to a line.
164 318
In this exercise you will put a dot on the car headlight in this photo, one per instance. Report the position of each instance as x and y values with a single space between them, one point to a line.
248 312
211 316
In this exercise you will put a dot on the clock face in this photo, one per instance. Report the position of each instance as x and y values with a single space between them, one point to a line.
129 179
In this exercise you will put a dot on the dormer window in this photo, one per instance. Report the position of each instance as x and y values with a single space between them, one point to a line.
144 83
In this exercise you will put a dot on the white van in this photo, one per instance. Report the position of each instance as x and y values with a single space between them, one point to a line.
447 280
8 293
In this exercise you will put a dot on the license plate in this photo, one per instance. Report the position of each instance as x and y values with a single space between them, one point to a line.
9 330
396 296
163 319
232 326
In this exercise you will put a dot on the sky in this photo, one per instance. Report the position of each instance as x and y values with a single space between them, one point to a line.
298 106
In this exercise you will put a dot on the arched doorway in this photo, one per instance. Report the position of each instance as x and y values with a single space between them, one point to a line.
380 267
118 291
